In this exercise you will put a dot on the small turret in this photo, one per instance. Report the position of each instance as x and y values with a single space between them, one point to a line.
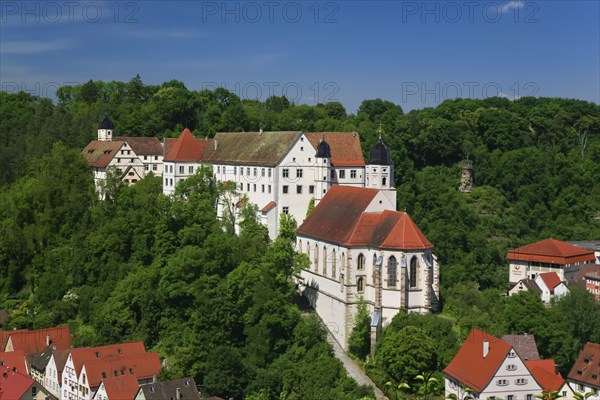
106 130
322 170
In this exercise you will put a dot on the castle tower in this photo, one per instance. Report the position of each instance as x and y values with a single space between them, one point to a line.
106 130
466 176
379 171
322 170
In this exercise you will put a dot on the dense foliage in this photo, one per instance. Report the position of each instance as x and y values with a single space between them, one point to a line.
167 271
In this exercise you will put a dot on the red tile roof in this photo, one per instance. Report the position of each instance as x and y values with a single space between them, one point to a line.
268 207
345 147
551 251
4 335
168 145
13 385
99 153
587 367
143 146
470 367
14 359
121 388
187 148
545 373
141 366
340 217
85 354
551 280
35 341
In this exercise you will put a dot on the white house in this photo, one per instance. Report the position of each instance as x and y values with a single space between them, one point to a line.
360 247
121 388
54 370
492 368
551 286
584 376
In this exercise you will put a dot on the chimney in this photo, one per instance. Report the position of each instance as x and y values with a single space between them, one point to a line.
260 131
154 379
47 340
177 393
216 144
486 348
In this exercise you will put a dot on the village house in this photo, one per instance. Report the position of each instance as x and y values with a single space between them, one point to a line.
548 255
17 386
118 388
584 376
54 371
586 277
34 341
15 360
491 367
547 285
184 388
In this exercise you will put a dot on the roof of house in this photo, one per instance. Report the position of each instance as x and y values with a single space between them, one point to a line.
524 345
545 373
581 271
551 280
268 207
345 147
587 367
4 335
14 359
121 388
187 148
40 360
470 367
251 148
141 366
340 217
13 385
529 284
84 354
380 154
143 146
168 144
167 389
551 251
99 153
60 359
593 245
31 342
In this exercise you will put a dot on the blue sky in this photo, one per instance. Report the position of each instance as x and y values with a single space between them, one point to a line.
414 53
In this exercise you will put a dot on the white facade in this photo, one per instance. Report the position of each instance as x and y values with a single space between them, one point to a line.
69 390
52 383
584 389
174 172
547 295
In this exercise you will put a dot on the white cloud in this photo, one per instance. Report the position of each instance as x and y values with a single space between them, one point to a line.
511 5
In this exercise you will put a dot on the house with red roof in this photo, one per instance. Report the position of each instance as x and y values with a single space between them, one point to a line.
491 367
584 376
548 255
551 286
14 360
586 277
17 386
34 341
360 247
117 388
54 371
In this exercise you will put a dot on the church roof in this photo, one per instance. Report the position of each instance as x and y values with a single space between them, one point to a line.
380 154
341 217
106 123
143 146
99 153
187 148
551 251
345 147
251 148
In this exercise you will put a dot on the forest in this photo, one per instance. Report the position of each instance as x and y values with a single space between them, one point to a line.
222 307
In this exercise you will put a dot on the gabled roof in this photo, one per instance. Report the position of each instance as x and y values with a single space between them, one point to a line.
545 373
35 341
82 355
4 335
40 360
529 284
13 385
168 145
14 359
587 367
143 146
470 367
121 388
551 280
99 153
60 359
140 366
168 389
341 217
551 251
250 148
345 147
187 148
524 345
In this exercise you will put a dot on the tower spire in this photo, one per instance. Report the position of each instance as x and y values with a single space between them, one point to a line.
380 130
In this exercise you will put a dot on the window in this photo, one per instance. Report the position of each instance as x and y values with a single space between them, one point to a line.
255 171
413 272
155 158
131 371
333 264
511 367
146 167
392 271
324 260
269 172
299 173
181 169
299 189
247 187
352 173
248 171
332 174
311 189
33 390
502 382
242 171
154 167
342 173
254 187
512 354
286 173
316 258
383 181
269 188
241 186
83 378
360 284
218 169
309 159
191 169
235 170
360 265
521 381
262 187
285 189
530 396
510 397
286 210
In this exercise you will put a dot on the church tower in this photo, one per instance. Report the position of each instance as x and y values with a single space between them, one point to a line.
379 171
322 170
106 130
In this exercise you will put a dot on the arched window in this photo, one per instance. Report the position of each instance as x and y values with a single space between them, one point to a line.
333 264
300 246
308 249
392 269
383 181
360 284
316 258
324 260
374 271
361 262
343 263
414 266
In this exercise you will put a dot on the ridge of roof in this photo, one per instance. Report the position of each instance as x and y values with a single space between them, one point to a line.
187 148
345 147
552 251
84 354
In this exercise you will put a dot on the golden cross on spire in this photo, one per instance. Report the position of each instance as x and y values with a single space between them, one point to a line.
380 129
